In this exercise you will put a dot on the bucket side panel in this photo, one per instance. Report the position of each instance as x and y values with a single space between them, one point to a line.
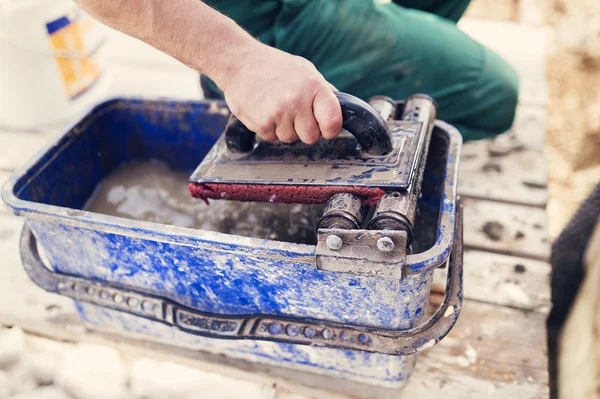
234 280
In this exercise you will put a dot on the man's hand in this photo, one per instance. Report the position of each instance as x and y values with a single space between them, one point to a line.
273 93
281 96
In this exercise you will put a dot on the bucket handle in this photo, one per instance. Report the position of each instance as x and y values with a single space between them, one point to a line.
257 327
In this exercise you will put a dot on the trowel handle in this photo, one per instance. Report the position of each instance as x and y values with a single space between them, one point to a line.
360 119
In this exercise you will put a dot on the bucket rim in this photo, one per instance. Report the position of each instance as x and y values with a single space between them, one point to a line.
422 262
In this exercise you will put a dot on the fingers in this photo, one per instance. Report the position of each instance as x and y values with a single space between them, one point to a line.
328 113
309 122
281 96
306 111
306 126
285 130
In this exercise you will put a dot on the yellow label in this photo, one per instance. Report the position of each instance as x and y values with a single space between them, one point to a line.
78 70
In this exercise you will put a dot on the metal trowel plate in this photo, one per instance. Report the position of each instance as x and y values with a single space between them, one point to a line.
337 162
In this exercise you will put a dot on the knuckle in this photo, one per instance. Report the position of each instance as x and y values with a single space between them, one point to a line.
277 114
334 122
293 100
314 84
264 125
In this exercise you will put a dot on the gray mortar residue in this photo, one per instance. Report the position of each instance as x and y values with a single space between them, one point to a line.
150 191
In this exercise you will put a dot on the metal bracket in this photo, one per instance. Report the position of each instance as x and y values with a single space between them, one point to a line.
373 253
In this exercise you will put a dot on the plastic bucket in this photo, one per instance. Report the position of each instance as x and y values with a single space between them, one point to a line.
50 61
254 299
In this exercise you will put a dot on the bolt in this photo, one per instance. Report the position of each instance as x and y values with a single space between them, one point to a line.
334 242
385 244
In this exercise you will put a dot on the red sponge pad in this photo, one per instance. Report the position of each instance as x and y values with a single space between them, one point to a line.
281 193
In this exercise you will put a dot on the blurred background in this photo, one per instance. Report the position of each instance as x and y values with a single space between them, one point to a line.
573 75
83 65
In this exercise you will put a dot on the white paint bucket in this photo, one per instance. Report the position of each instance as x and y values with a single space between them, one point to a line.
49 62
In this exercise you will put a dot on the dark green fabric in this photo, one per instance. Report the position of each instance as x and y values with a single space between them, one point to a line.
367 48
449 9
255 16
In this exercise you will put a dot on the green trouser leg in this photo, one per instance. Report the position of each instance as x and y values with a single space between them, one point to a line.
366 48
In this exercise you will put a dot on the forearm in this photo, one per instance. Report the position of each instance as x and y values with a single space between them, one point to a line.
188 30
275 94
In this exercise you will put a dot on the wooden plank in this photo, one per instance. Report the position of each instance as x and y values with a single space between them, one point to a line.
503 280
499 170
492 352
507 229
530 126
534 92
